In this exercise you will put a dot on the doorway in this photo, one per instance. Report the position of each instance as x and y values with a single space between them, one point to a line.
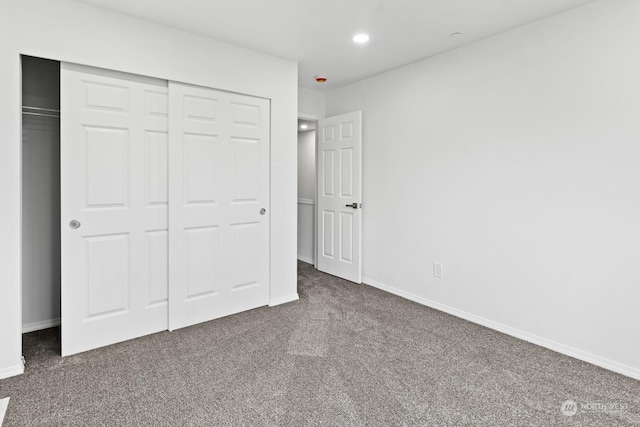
307 132
330 194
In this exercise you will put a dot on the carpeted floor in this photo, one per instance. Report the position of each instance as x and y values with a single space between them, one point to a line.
344 355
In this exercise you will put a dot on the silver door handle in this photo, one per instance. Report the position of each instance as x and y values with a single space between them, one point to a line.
263 211
352 205
74 223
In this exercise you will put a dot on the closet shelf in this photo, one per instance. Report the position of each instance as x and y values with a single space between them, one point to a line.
38 111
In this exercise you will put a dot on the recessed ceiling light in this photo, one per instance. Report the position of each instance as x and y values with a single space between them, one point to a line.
361 38
304 126
454 35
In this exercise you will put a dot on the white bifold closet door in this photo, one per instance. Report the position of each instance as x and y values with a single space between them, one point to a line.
218 203
114 207
164 205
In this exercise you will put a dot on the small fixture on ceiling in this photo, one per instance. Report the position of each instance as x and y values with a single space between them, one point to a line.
455 35
304 126
321 79
361 38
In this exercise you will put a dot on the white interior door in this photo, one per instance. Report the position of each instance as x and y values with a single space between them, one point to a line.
340 196
219 203
114 206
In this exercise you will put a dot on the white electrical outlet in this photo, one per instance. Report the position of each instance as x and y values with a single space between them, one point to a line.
437 270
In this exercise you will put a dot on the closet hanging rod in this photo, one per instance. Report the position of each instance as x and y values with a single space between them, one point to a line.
40 114
40 109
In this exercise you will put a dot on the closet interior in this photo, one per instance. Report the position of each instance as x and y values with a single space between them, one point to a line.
40 193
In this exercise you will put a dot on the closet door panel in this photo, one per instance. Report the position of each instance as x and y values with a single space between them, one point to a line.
202 169
114 184
156 167
106 167
219 164
158 278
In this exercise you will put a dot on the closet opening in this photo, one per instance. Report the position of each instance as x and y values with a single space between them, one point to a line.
41 252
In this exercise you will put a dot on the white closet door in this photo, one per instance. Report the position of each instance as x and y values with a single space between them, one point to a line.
114 201
219 203
340 195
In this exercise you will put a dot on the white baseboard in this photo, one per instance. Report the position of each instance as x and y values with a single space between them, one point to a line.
12 371
305 259
37 326
602 362
283 300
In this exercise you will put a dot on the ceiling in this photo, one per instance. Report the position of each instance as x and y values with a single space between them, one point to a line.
310 125
317 34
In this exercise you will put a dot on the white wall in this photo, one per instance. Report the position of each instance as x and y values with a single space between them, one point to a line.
311 102
307 165
74 32
515 162
306 195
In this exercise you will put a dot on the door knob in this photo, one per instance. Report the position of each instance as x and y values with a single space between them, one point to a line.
73 224
263 211
352 205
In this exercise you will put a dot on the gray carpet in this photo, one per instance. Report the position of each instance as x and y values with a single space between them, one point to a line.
344 355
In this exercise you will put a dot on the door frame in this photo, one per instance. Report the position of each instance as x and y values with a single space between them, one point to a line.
279 85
